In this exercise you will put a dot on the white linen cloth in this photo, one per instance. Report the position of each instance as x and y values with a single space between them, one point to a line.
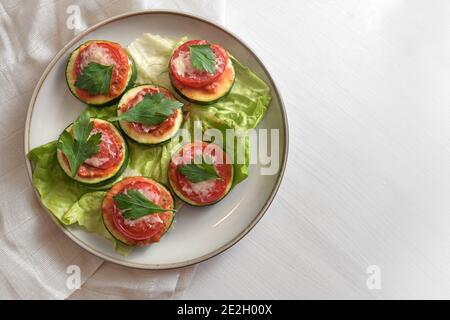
34 253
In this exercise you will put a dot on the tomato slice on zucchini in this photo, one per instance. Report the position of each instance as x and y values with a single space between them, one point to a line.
144 230
181 68
105 53
200 86
146 134
106 166
204 192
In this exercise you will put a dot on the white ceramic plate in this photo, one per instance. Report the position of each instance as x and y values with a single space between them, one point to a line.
198 233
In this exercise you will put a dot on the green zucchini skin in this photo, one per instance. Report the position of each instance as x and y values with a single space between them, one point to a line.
151 145
115 236
107 181
131 80
202 103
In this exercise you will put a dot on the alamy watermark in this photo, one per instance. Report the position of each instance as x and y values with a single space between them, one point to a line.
254 146
73 281
74 21
373 282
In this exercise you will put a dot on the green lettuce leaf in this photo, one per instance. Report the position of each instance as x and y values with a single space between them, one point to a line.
151 162
66 199
103 113
151 54
57 191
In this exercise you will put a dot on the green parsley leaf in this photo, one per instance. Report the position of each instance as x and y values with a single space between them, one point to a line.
198 172
135 205
95 78
202 57
151 110
82 127
79 146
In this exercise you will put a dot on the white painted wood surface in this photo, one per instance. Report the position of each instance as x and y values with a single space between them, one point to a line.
366 87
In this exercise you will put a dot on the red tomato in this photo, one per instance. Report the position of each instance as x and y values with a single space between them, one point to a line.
190 76
148 227
111 52
215 189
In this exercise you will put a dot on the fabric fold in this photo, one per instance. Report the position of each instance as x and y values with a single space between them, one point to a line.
36 257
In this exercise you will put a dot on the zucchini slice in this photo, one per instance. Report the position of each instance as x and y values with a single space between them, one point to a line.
208 191
210 94
104 53
151 135
106 167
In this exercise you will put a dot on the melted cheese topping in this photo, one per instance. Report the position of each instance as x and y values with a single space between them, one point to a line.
202 189
183 64
150 220
96 53
106 142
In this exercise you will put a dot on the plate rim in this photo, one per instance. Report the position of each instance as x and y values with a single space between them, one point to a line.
185 263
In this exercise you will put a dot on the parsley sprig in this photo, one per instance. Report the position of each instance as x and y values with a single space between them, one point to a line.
203 57
95 78
135 205
80 145
151 110
198 172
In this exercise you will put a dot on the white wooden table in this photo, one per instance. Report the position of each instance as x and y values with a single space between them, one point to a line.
367 90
